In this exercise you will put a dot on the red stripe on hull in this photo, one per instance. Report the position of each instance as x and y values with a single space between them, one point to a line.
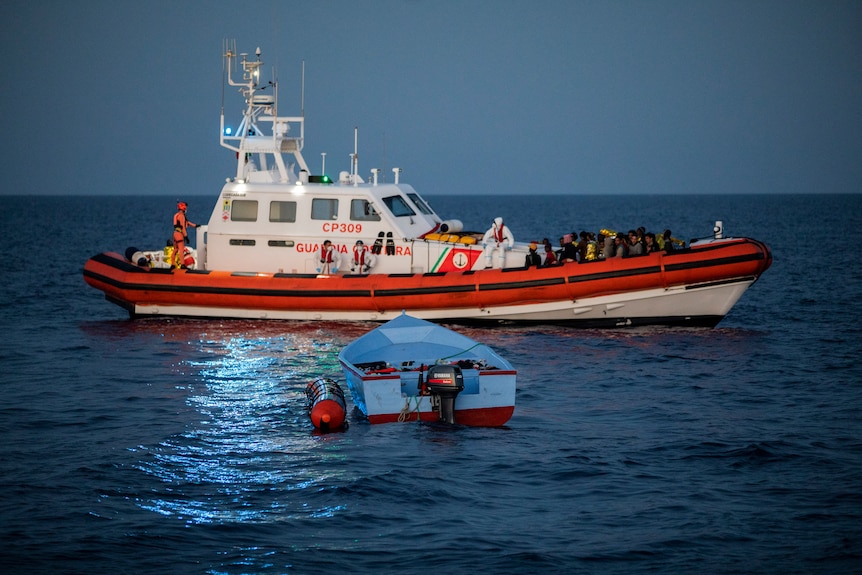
485 417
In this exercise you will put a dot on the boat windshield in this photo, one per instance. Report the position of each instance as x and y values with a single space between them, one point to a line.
420 203
398 206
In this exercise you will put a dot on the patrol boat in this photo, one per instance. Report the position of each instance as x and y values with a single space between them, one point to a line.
257 257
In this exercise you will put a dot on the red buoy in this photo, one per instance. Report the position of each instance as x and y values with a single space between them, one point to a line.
326 405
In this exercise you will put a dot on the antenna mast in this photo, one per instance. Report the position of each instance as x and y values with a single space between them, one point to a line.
355 153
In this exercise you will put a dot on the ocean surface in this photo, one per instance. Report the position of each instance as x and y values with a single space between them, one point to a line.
183 446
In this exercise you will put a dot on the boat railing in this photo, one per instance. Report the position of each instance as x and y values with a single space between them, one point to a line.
250 138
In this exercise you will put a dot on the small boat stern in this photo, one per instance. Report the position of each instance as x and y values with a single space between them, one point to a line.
413 370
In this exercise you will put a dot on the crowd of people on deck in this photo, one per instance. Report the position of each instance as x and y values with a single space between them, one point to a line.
589 246
583 247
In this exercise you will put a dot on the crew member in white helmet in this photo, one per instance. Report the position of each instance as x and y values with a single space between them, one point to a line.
497 239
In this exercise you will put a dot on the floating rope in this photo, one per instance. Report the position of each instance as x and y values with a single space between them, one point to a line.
406 411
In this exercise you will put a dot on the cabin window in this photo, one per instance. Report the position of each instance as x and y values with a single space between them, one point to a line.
324 209
363 211
282 212
243 211
398 206
420 203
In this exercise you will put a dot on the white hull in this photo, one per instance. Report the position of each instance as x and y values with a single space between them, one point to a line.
681 302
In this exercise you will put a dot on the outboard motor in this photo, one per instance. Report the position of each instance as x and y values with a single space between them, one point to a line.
326 405
445 382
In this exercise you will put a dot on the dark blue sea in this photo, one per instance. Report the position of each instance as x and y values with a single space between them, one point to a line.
183 446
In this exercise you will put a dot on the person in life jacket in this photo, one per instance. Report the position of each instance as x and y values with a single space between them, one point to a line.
533 258
592 248
550 256
497 239
181 236
621 249
668 243
568 250
328 259
362 260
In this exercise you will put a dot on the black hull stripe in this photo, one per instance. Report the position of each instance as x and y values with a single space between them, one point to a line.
120 264
522 284
716 262
227 291
615 274
424 291
721 282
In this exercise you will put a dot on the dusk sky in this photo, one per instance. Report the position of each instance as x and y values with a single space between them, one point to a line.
466 96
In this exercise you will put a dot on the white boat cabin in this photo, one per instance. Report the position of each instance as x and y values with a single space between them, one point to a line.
280 228
269 218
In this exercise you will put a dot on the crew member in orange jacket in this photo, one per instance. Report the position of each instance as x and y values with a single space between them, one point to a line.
181 236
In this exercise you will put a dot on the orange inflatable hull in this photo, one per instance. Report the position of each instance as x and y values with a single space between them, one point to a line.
451 295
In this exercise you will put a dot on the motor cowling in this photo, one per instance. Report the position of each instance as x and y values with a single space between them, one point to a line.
445 382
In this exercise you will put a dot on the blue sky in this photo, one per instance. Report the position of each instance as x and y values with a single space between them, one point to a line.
466 96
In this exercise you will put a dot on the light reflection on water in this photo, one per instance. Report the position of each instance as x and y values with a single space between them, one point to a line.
252 455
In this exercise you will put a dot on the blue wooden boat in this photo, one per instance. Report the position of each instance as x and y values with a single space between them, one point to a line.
409 369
